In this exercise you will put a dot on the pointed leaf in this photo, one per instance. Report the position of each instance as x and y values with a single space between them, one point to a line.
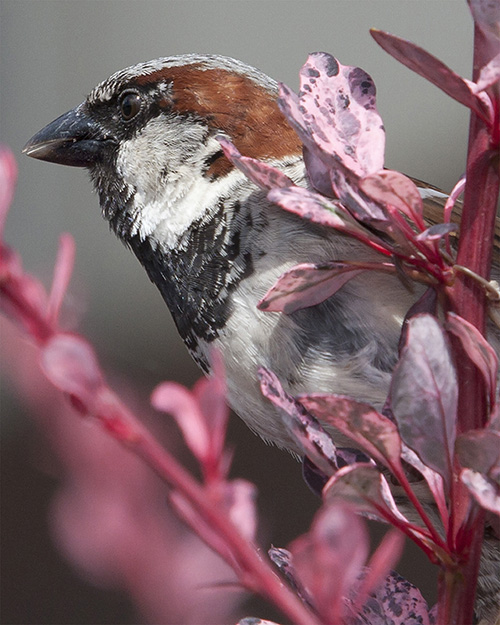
424 395
486 14
489 74
434 70
363 486
62 275
263 175
306 285
315 442
179 402
436 232
283 560
392 187
477 349
485 491
376 434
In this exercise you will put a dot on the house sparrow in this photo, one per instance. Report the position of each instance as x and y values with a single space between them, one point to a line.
211 241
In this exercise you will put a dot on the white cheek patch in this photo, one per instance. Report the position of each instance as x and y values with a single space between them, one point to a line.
164 165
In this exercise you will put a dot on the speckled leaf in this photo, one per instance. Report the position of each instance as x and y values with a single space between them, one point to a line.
337 109
424 395
477 349
283 560
376 434
306 285
263 175
394 188
397 602
485 491
304 428
434 70
312 206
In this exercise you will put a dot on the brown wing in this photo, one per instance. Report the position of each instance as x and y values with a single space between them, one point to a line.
433 213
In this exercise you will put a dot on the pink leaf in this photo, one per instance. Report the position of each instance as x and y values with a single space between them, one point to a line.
239 501
70 364
364 487
486 14
263 175
434 70
436 232
398 602
329 559
8 176
489 75
382 561
337 111
316 443
373 432
424 395
306 285
312 206
392 187
178 401
433 479
485 491
477 349
62 275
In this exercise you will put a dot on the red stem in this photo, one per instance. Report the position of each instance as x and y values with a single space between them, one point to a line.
468 299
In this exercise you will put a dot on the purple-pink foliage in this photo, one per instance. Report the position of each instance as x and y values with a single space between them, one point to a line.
327 576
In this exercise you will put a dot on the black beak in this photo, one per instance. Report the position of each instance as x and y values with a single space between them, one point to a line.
72 139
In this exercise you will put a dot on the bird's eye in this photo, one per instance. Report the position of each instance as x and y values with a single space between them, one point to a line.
130 105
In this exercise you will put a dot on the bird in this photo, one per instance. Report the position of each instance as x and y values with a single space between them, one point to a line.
211 241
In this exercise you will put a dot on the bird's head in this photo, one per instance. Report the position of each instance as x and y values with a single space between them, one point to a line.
147 136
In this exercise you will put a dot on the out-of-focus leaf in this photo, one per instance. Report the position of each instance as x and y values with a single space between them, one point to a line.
62 275
485 491
71 365
391 187
398 602
306 285
239 501
8 177
283 559
424 395
179 402
263 175
479 450
434 70
477 349
376 434
329 559
315 442
254 620
378 568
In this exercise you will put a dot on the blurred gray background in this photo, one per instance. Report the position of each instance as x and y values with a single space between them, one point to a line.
52 52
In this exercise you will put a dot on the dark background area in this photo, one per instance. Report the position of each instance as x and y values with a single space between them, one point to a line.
52 52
